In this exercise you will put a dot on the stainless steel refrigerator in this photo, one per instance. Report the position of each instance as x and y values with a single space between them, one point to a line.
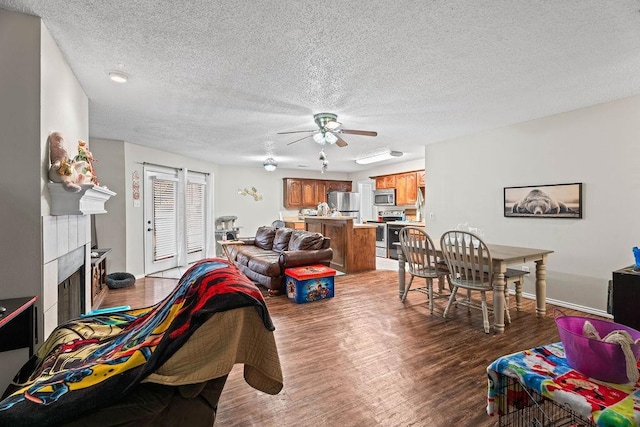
348 204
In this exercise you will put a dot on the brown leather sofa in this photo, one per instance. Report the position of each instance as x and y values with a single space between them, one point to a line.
264 258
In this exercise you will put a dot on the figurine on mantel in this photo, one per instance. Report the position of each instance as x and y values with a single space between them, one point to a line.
69 172
84 163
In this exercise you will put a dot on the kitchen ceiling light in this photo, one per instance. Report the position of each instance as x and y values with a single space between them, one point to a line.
118 77
379 157
270 165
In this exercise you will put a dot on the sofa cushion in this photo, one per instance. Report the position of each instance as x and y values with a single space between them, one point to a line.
248 252
267 265
281 240
304 240
264 237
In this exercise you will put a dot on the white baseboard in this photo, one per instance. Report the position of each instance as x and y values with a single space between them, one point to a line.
571 306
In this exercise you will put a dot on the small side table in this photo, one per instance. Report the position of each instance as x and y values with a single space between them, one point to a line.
225 243
17 324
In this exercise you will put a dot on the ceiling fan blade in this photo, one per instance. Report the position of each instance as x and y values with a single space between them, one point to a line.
341 142
304 137
297 131
358 132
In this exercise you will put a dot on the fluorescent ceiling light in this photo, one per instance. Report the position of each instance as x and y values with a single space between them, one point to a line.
118 77
379 157
270 165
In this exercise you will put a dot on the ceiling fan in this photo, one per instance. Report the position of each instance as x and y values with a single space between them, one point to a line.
329 130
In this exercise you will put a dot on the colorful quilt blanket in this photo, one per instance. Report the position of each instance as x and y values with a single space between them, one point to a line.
545 370
93 361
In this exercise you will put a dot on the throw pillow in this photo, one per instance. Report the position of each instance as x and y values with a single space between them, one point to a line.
281 240
303 240
264 237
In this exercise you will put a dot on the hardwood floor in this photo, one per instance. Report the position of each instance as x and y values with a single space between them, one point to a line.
363 358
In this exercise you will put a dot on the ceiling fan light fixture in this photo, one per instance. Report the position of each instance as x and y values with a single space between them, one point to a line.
319 138
118 77
332 125
270 164
330 138
386 155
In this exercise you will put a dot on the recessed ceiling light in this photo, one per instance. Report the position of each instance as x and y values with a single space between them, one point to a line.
118 76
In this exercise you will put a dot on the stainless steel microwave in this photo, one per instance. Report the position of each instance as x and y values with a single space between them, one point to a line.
385 197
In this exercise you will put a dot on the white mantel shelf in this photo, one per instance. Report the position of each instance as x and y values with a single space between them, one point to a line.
89 200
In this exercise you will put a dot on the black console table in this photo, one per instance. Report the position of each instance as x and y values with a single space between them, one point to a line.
17 324
625 295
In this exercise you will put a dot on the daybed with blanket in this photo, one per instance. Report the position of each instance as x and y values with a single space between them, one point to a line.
163 365
264 258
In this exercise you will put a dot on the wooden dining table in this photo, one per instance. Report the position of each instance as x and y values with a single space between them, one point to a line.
502 256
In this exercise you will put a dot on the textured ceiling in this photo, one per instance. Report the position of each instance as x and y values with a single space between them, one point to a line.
217 80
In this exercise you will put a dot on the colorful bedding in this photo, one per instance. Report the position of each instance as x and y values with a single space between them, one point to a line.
93 361
546 371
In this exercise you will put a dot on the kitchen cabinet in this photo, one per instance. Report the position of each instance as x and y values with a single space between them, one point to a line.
308 193
386 181
406 189
406 185
354 245
309 196
292 193
337 186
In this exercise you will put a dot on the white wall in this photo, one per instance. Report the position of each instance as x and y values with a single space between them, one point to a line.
597 146
20 265
111 228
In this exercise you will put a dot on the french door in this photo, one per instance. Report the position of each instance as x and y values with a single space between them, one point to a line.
177 217
195 205
161 220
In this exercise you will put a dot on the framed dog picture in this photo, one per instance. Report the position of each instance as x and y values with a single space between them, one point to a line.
544 201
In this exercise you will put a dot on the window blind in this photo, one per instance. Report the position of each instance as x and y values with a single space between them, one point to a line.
195 205
164 218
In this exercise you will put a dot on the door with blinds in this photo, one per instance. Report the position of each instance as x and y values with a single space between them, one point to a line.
161 220
195 207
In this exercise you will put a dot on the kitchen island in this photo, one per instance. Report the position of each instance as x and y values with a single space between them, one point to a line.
354 245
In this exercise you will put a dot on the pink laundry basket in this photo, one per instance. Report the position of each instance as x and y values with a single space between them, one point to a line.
596 359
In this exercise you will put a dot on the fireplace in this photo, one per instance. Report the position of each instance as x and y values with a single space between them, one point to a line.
71 285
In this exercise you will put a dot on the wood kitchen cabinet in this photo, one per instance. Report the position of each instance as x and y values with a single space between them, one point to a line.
292 193
406 188
386 181
406 185
308 193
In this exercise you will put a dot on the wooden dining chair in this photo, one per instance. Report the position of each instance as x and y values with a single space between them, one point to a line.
422 261
469 261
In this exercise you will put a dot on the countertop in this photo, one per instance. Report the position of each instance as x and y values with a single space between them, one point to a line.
414 223
365 226
330 217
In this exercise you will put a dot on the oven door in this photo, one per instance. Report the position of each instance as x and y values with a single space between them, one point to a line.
393 237
381 239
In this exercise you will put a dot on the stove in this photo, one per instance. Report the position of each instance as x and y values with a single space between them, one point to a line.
382 246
